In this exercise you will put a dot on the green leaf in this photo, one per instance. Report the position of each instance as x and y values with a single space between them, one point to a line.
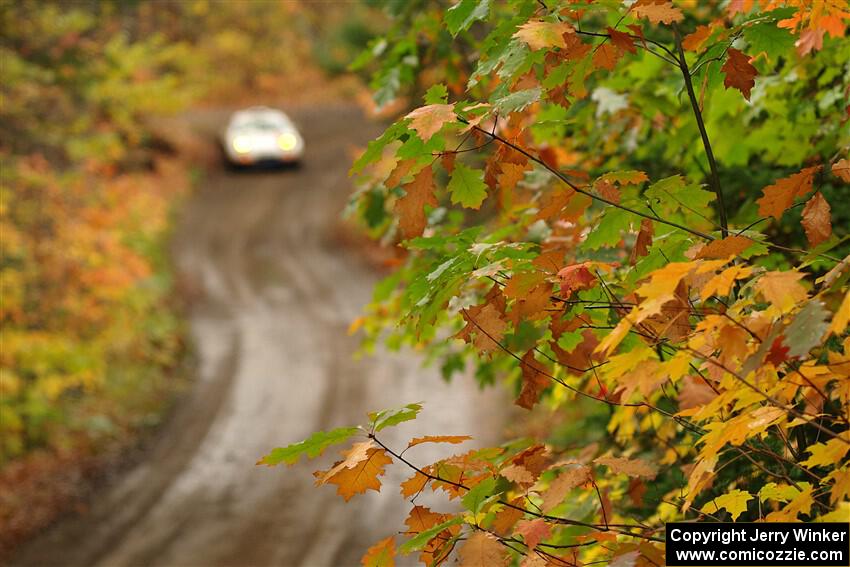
807 328
767 37
467 187
460 16
312 447
478 495
388 418
419 541
437 94
609 230
517 101
569 341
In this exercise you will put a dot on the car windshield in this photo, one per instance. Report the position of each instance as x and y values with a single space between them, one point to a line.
264 122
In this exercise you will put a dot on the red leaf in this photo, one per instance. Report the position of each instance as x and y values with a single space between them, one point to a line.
739 73
575 278
816 219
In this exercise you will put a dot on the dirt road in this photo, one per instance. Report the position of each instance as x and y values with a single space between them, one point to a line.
277 294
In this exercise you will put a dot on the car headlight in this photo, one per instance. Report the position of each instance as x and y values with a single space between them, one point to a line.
287 141
242 144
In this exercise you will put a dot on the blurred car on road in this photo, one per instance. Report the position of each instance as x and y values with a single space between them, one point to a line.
261 135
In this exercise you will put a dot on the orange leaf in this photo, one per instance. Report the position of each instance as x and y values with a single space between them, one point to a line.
740 74
606 57
694 41
534 381
361 477
401 170
575 278
782 289
518 474
816 219
411 207
427 120
382 554
489 329
566 481
629 467
622 41
643 241
414 484
506 518
482 550
729 246
453 439
657 13
841 169
779 196
533 531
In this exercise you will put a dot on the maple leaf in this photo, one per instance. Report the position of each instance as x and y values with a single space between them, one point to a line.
411 207
643 241
606 56
721 284
566 481
779 196
628 467
518 474
740 74
622 41
482 550
575 278
782 289
401 170
428 120
734 502
382 554
695 40
725 247
825 454
414 484
540 35
391 417
841 169
448 161
534 381
359 478
695 393
533 531
511 174
657 13
431 532
467 187
778 352
352 457
490 329
507 517
312 447
816 219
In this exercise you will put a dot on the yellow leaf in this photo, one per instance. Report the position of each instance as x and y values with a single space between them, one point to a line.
826 454
841 317
540 35
734 502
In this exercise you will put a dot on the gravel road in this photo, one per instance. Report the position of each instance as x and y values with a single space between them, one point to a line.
276 295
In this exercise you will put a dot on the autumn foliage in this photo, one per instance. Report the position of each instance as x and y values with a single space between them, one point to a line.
635 217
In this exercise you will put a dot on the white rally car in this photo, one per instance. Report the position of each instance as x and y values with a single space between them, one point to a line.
260 135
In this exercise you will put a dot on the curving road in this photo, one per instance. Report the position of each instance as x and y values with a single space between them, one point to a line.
275 363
